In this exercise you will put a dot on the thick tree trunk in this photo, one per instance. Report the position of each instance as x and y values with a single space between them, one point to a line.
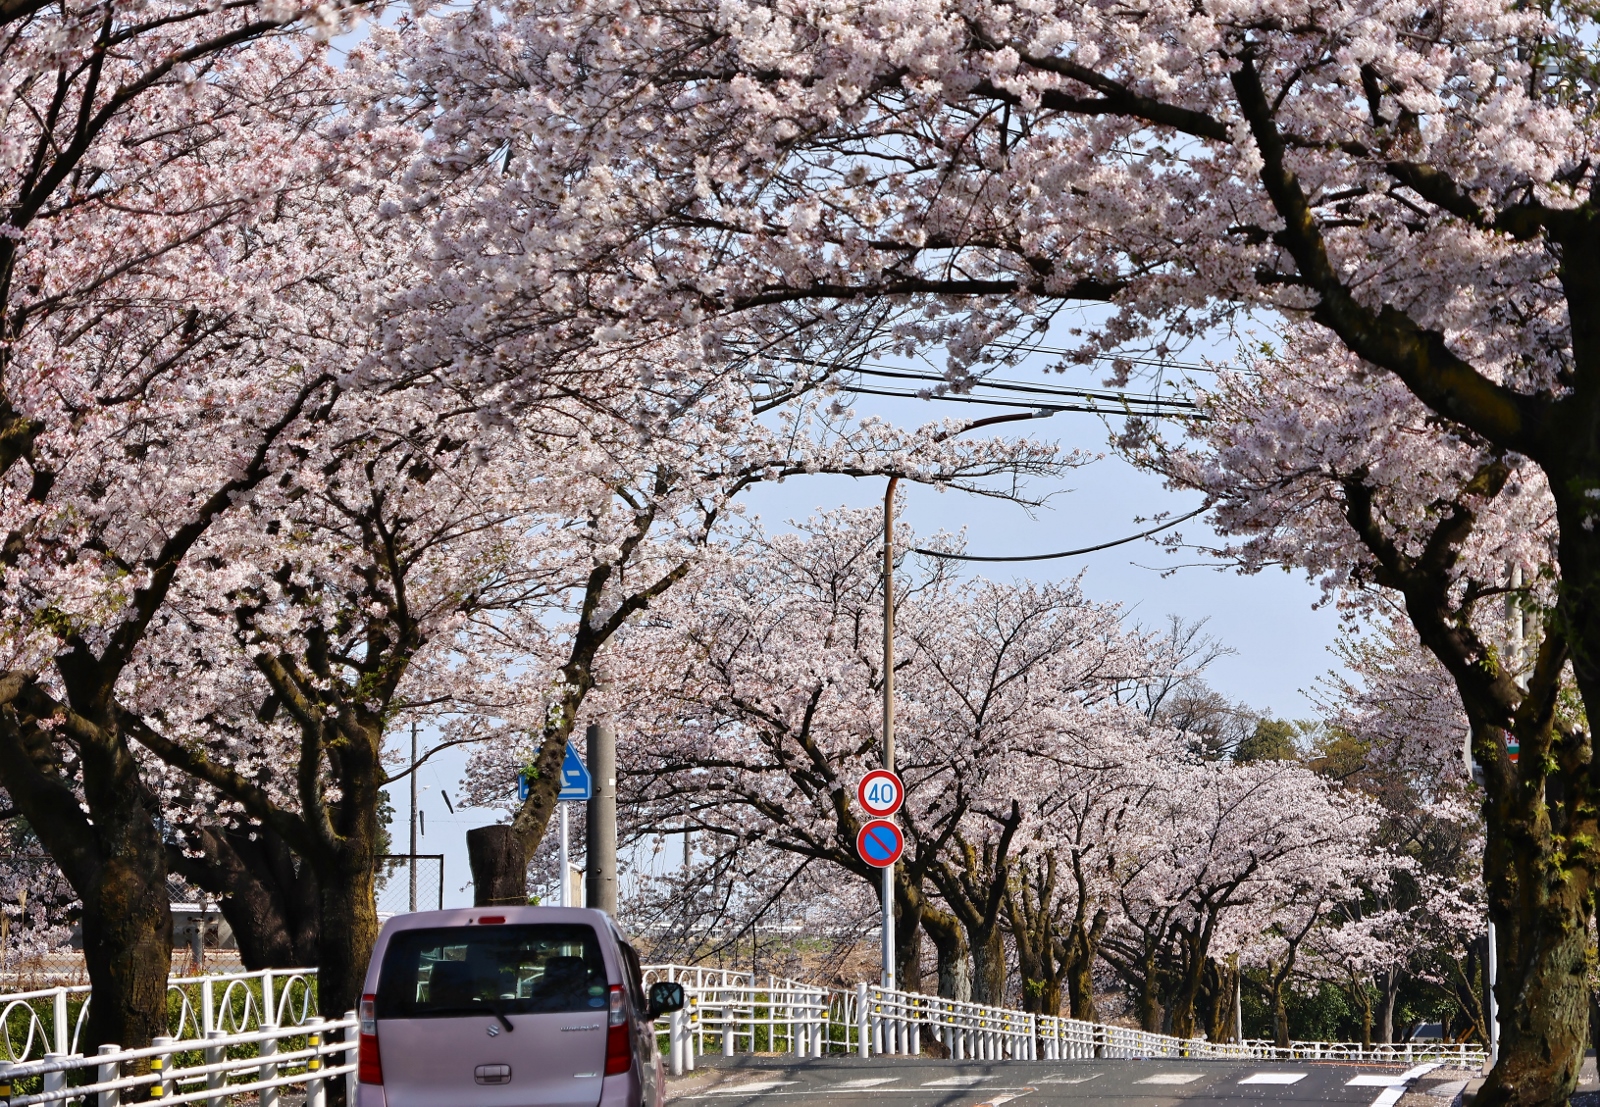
499 867
270 904
127 948
1280 1009
107 846
950 951
988 962
908 908
349 929
1221 1000
1149 1008
1391 993
1078 972
1538 901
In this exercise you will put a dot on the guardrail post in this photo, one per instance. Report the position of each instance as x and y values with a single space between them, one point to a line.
214 1080
268 1048
863 1022
161 1065
730 1020
675 1042
55 1081
352 1039
208 1011
63 1046
5 1080
819 1024
316 1094
106 1071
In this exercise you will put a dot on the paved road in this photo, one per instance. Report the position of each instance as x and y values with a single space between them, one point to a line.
907 1082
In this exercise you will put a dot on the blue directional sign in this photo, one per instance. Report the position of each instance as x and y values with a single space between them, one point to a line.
575 781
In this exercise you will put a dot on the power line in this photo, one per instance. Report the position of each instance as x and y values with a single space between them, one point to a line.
1065 553
1154 408
1182 402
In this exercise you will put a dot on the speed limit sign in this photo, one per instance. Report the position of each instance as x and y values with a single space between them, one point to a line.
880 793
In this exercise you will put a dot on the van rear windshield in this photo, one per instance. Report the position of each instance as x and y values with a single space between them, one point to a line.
480 970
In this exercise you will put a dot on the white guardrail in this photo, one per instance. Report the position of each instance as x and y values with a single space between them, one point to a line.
740 1014
254 1033
233 1034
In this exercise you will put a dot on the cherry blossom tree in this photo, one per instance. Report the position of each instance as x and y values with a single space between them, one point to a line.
169 392
1208 870
1417 182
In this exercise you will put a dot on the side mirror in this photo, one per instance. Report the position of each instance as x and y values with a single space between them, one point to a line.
665 998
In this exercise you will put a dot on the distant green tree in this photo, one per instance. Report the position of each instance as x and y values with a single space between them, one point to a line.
1273 740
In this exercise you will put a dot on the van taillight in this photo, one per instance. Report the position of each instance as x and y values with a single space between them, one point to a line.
369 1065
619 1044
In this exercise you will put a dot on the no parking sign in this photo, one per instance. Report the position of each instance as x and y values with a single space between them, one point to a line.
880 843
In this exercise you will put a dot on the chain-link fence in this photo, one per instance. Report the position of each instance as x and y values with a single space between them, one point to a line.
410 882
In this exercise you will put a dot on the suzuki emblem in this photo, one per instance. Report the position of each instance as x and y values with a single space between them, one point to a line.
494 1031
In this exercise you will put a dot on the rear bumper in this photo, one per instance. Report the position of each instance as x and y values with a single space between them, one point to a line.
370 1095
615 1091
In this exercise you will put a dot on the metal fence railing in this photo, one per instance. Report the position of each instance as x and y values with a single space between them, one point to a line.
733 1012
232 1034
51 1020
213 1068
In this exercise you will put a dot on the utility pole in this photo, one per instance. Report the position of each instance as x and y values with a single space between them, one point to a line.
602 843
888 715
411 862
888 663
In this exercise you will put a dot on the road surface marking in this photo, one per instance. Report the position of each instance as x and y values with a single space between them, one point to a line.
999 1099
1274 1078
1063 1079
957 1082
1375 1080
744 1089
1170 1078
868 1082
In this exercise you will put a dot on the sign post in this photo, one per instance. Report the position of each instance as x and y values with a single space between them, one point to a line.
576 786
888 717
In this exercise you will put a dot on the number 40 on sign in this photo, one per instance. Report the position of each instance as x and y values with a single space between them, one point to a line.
880 793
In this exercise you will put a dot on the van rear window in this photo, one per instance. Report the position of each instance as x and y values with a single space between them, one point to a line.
480 970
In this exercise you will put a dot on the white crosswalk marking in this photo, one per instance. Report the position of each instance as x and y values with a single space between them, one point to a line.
1170 1078
1375 1080
746 1089
1061 1078
867 1082
956 1082
1274 1078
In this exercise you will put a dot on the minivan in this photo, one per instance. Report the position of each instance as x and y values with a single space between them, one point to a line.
509 1007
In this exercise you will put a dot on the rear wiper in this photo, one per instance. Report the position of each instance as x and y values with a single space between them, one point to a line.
492 1009
501 1015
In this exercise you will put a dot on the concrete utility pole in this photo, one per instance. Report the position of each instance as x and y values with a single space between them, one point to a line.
888 714
411 863
602 836
888 664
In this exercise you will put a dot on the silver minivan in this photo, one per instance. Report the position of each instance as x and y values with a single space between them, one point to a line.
509 1007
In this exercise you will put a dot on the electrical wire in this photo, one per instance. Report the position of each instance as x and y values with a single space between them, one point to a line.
1053 405
1065 553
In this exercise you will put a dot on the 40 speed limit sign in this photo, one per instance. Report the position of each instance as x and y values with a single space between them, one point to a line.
880 793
